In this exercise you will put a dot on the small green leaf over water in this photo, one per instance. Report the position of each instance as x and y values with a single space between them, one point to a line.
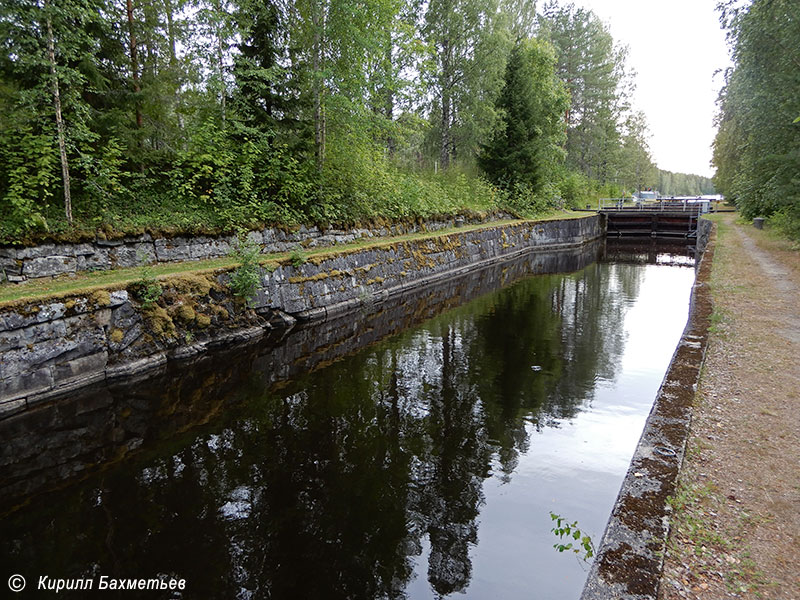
584 548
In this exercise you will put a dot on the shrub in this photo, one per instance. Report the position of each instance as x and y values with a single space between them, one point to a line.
787 223
245 279
147 289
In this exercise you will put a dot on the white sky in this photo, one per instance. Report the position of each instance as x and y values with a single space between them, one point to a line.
675 46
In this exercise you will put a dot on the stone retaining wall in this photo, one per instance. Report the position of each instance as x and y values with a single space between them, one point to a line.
94 427
18 264
53 347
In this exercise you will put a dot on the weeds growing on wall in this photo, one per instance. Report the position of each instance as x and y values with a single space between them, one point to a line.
245 279
147 288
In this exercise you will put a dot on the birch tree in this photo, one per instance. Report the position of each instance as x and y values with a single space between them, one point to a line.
468 46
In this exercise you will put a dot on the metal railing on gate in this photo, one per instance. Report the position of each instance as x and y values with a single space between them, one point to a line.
665 204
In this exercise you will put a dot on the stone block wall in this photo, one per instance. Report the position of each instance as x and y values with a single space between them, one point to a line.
18 264
50 348
704 229
340 281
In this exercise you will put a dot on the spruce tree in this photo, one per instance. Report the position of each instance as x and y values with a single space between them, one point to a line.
527 145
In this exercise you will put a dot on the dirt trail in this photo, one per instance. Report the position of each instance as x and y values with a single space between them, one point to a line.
736 527
780 278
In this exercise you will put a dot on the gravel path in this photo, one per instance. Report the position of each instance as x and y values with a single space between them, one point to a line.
736 527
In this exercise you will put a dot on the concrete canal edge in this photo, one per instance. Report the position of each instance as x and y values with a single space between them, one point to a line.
630 556
55 346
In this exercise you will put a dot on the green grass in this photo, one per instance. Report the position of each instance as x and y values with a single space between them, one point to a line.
720 322
692 503
87 282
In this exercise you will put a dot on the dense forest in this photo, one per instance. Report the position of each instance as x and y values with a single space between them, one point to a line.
757 148
209 114
683 184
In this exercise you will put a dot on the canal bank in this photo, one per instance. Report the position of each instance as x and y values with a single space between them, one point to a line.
651 474
736 521
424 463
104 423
54 347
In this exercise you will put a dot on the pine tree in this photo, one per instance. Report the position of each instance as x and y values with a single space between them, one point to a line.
592 68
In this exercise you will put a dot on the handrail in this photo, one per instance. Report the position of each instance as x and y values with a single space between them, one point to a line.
683 205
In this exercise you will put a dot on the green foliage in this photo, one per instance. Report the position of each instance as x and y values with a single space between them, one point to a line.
297 258
523 202
636 168
246 278
462 70
147 288
683 184
757 147
527 145
239 113
30 166
592 67
239 181
786 222
576 190
104 179
581 543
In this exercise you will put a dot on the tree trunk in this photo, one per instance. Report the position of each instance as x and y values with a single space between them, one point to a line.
220 73
318 22
62 146
446 78
388 78
134 61
173 61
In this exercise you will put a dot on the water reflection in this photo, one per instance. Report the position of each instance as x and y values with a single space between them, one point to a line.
306 471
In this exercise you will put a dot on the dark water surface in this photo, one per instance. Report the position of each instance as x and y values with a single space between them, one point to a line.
424 464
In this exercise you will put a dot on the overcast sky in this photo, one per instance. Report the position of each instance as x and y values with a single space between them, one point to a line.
675 48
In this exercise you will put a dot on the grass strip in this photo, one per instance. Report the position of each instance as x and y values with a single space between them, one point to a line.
65 285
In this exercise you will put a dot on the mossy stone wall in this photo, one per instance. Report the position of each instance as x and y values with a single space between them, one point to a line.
18 263
51 347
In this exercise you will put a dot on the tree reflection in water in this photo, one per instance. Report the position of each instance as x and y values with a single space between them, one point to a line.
330 486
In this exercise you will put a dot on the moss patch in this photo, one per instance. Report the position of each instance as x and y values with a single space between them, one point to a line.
220 312
185 313
318 277
101 298
159 322
195 284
